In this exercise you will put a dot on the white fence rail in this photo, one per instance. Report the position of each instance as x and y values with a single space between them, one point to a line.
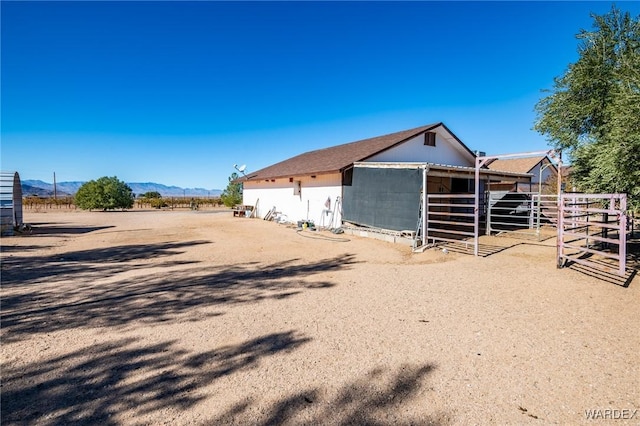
450 218
547 210
520 212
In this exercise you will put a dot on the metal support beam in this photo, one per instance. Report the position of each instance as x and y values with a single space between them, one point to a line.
560 236
622 235
425 211
480 161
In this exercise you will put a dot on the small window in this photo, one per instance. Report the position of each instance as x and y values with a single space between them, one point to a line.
347 177
430 139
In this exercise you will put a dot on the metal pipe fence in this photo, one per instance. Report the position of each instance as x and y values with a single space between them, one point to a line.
592 231
520 212
450 218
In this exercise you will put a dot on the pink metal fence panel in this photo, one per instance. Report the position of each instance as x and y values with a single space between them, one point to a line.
590 227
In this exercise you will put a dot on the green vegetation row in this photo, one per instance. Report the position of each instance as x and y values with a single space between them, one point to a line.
110 193
36 202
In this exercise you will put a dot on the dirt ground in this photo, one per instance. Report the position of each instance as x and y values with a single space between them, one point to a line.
197 317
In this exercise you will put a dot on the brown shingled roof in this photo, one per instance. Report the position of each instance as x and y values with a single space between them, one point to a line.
336 158
516 165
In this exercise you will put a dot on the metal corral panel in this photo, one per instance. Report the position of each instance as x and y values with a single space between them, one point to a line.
387 198
10 202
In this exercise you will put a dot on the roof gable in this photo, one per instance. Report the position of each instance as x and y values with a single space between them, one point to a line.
517 165
339 157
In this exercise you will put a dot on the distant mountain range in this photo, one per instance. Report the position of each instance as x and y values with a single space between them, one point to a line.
44 189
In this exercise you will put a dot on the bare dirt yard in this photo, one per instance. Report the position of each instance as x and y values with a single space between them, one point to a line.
197 317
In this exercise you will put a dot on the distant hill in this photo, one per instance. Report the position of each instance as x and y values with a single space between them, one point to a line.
28 190
171 191
44 189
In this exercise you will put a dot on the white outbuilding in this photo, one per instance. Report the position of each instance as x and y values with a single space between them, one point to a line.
375 182
10 202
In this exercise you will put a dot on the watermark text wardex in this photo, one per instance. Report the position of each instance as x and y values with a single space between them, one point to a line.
610 414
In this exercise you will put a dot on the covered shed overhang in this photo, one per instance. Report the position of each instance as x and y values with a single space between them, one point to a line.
444 170
477 174
387 195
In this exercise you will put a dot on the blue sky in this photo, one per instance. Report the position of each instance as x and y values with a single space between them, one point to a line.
179 92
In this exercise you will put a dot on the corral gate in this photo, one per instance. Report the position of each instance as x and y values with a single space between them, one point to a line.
547 209
450 218
520 212
591 225
482 161
509 211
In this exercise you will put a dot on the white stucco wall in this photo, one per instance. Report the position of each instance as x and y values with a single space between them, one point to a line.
308 205
414 150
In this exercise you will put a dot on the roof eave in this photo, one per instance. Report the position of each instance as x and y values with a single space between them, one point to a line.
258 178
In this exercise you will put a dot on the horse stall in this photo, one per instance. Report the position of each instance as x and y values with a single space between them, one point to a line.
390 199
10 203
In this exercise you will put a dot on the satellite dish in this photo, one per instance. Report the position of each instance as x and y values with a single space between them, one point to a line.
241 168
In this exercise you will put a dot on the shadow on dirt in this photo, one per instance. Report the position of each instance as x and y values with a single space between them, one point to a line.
484 250
56 229
93 385
85 264
607 269
601 269
42 295
377 398
611 278
18 249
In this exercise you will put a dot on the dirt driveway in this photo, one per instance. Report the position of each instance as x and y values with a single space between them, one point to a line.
168 317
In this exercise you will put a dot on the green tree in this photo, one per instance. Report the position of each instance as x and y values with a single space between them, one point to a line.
105 193
232 195
151 194
154 199
593 111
